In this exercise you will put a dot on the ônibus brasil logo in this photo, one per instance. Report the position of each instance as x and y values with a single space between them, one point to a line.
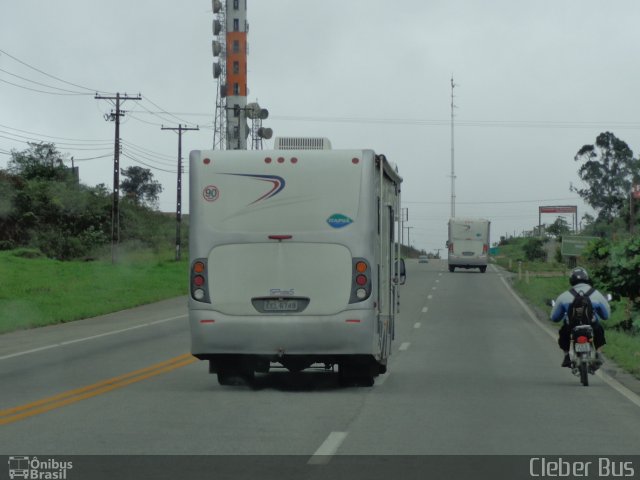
338 220
37 469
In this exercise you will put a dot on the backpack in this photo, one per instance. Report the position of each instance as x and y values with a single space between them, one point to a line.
581 309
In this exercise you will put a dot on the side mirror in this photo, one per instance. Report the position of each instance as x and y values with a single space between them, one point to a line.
401 272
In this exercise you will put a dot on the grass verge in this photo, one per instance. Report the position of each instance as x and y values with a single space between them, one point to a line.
37 291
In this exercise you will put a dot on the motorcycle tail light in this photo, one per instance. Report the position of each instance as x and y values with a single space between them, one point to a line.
582 339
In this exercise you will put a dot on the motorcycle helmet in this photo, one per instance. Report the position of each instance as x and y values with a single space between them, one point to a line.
579 275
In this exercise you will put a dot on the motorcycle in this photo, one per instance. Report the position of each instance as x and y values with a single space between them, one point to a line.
582 353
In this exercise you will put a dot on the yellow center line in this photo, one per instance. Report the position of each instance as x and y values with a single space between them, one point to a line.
15 414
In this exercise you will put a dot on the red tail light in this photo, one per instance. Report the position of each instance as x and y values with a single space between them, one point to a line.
360 280
582 339
198 281
485 249
450 247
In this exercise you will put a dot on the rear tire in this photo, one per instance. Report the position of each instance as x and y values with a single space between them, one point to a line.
235 378
584 374
356 375
483 269
234 370
451 268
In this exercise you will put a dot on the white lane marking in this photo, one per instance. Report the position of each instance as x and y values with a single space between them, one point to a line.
425 309
612 382
434 288
329 447
440 274
417 325
438 281
429 297
404 346
93 337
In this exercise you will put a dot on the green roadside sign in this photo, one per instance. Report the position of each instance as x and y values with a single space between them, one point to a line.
572 246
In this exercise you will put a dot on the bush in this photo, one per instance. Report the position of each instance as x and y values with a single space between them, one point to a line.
533 250
27 253
7 245
615 265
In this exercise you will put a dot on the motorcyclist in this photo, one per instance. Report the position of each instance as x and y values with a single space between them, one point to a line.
581 283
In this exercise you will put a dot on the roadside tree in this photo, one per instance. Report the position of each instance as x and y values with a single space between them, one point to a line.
608 170
140 186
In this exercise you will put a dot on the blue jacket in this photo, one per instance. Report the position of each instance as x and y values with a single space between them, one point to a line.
563 302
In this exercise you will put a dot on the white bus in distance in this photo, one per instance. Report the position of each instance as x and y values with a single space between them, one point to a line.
293 260
468 243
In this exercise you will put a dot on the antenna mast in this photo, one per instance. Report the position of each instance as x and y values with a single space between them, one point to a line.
453 172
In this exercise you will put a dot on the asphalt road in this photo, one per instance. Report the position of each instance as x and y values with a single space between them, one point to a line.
471 373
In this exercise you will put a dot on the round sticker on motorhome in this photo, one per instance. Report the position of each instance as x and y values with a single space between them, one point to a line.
210 193
337 220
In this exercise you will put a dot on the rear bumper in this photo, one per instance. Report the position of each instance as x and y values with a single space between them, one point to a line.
466 262
347 333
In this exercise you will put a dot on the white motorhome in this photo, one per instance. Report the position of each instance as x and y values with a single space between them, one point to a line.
468 243
293 259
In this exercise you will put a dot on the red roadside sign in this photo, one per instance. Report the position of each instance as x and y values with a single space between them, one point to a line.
559 209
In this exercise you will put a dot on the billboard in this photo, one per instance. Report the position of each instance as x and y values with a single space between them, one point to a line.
562 209
573 245
559 209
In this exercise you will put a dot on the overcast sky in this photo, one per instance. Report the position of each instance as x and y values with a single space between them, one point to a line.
535 80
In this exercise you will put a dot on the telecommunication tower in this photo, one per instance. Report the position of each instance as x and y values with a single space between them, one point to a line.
230 48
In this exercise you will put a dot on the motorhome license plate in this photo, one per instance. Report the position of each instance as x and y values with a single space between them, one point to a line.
280 305
582 347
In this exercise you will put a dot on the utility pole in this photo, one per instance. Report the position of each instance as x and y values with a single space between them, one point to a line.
115 211
409 237
180 129
404 217
453 172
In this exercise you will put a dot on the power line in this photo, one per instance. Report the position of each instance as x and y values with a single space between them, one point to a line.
134 150
165 112
42 84
90 158
436 122
51 136
37 140
42 91
92 90
463 123
155 124
137 160
162 115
